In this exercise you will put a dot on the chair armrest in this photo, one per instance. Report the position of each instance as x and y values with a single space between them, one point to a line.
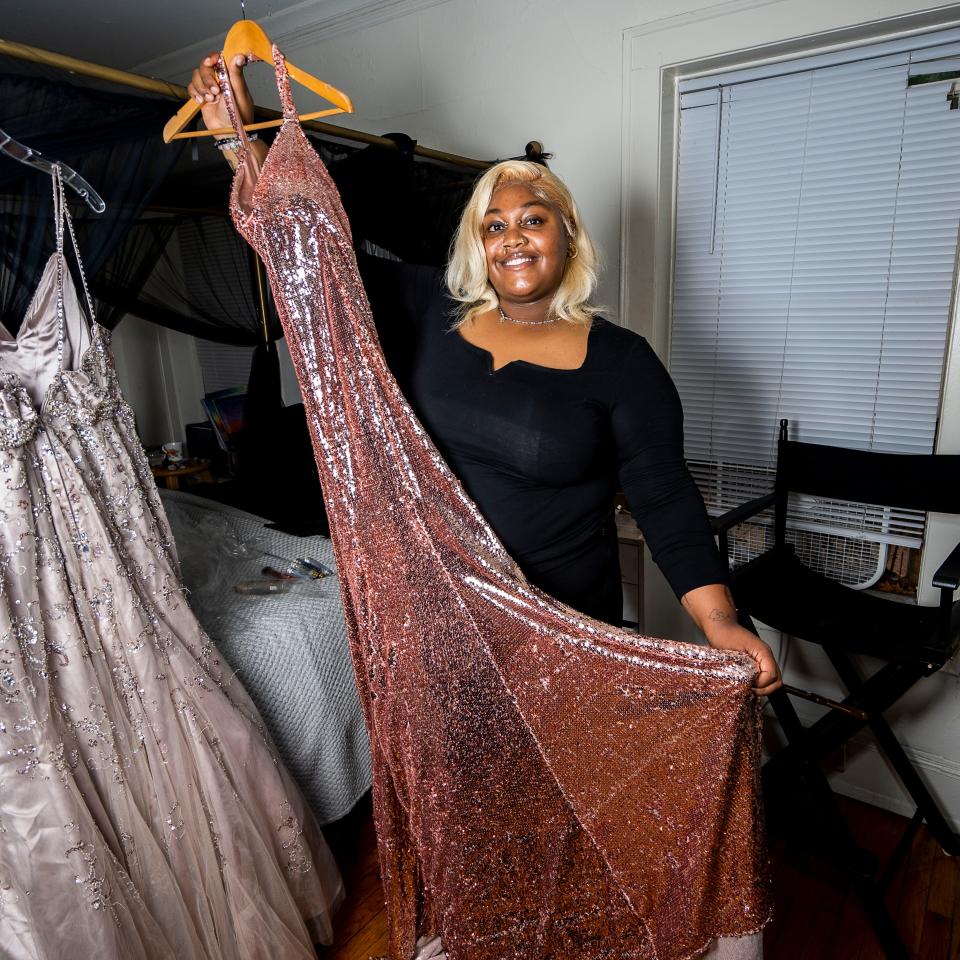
947 576
737 515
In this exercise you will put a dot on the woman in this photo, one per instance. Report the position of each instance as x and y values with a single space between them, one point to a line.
541 408
543 785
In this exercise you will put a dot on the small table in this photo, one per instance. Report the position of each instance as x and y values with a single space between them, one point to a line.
169 477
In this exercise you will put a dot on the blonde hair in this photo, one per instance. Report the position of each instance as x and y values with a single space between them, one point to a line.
467 278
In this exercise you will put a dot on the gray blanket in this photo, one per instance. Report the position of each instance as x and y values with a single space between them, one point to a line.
289 651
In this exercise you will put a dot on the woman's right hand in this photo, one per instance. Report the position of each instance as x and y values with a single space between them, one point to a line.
205 89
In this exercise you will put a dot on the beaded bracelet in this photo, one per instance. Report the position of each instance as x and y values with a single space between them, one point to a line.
232 143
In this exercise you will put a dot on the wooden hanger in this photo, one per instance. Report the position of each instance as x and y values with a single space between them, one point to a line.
248 38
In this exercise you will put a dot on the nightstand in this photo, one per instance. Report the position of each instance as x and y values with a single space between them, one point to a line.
194 469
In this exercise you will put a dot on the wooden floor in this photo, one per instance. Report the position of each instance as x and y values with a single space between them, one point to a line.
815 918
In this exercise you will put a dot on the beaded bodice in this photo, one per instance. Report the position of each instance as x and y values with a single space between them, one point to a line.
82 396
544 785
58 368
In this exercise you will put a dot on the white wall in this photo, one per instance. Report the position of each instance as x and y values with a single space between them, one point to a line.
136 351
482 77
159 370
160 377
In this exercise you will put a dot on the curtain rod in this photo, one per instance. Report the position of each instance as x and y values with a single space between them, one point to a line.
176 92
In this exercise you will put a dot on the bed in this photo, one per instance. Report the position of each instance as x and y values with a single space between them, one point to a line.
290 651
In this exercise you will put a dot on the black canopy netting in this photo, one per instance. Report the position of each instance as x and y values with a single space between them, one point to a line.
165 251
185 267
105 134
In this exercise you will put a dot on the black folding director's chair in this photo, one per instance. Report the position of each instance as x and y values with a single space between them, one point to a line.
912 642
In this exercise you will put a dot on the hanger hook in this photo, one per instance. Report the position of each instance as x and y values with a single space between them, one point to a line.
243 10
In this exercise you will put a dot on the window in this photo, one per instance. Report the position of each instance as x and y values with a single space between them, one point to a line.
818 204
223 365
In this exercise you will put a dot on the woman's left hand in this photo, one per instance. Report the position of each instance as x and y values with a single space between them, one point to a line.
731 636
711 608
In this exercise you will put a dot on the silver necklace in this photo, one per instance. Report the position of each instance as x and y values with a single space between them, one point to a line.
526 323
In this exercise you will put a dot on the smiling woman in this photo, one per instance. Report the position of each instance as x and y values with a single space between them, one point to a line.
523 269
526 249
542 410
521 242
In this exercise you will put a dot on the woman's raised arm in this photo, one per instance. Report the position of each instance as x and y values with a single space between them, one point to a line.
204 87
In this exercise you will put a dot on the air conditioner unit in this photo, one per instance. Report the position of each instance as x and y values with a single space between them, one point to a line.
852 561
847 542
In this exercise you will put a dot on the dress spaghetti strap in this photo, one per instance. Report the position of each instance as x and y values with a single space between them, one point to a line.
223 78
283 86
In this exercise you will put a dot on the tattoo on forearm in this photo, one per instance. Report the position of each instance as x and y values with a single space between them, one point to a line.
718 616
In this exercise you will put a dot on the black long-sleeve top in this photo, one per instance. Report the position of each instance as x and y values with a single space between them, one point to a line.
542 451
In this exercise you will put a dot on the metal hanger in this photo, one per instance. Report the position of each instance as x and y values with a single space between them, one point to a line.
33 158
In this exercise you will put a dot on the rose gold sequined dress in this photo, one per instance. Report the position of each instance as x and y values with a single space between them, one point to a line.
544 786
143 814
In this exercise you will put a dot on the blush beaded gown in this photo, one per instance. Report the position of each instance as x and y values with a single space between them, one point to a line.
143 813
545 787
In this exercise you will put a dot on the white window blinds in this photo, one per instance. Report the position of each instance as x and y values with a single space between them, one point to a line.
223 365
816 236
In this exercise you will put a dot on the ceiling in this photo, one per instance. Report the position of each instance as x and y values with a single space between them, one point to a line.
134 33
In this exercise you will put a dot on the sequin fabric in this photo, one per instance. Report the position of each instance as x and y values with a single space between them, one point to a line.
143 814
544 786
